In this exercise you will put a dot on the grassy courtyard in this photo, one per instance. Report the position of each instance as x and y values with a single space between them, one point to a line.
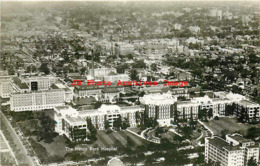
229 124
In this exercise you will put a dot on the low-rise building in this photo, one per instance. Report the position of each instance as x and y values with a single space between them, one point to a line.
101 72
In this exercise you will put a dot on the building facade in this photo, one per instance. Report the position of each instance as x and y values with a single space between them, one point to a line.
35 101
159 107
5 86
234 151
69 123
73 123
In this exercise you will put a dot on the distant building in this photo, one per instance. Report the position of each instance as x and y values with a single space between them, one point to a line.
216 13
117 77
177 26
124 48
88 91
101 72
235 150
245 20
110 94
194 29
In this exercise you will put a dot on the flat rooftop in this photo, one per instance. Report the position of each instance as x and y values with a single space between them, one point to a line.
220 143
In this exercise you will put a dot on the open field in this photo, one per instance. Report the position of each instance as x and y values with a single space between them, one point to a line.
116 139
229 124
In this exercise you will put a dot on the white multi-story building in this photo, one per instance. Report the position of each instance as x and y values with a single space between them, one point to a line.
40 82
247 111
70 124
35 101
88 91
160 107
234 151
250 148
69 119
5 86
194 29
110 113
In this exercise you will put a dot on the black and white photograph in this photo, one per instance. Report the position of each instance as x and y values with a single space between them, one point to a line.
129 83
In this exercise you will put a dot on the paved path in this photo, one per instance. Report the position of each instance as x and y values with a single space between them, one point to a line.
8 147
18 142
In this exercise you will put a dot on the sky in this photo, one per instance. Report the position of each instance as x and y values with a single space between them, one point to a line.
130 0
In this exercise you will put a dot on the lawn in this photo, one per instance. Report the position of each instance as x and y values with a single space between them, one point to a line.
229 124
111 140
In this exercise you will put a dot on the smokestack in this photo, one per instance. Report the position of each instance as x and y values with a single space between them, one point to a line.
92 70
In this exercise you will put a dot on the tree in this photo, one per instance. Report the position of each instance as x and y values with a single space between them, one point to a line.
223 133
139 64
133 75
83 70
117 124
44 68
187 131
210 113
130 143
107 125
93 131
153 67
229 110
125 124
252 162
46 129
253 133
121 68
97 104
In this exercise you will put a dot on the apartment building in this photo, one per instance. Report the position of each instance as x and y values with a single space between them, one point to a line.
35 101
234 151
160 107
